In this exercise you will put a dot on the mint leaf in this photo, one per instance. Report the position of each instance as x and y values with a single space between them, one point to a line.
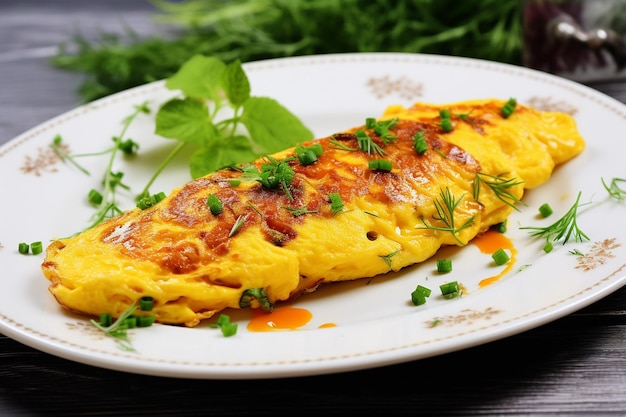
271 126
199 77
220 154
186 120
236 84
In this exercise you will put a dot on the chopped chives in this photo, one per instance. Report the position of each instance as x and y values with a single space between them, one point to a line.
105 319
306 157
23 248
508 108
336 204
545 210
501 227
450 289
36 248
380 165
228 328
95 197
214 203
444 265
145 321
234 183
500 257
419 143
146 303
446 125
418 297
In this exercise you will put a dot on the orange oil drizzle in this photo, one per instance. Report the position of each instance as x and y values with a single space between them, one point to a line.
282 318
489 243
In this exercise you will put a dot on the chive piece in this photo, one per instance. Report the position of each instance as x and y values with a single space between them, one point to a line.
214 203
450 289
501 227
445 113
500 257
419 143
234 183
130 322
228 328
547 248
545 210
36 248
444 265
446 125
23 248
145 321
508 108
146 303
380 165
418 297
95 197
336 204
149 201
105 319
258 294
306 157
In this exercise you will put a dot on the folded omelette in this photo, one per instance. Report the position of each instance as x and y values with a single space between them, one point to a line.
356 204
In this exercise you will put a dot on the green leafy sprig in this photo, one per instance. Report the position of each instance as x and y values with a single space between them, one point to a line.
446 205
564 228
499 185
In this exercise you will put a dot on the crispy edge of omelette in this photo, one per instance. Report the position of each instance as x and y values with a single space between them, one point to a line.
357 243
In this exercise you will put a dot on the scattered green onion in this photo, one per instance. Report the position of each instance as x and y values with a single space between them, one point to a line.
234 183
450 289
500 257
508 108
258 294
146 303
228 328
501 227
380 165
444 265
419 143
545 210
336 204
446 123
418 297
105 319
214 203
145 321
306 157
95 197
36 248
150 201
23 248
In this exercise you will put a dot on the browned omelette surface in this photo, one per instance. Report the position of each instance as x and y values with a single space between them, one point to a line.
194 263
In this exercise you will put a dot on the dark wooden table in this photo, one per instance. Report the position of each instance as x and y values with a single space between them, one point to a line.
573 366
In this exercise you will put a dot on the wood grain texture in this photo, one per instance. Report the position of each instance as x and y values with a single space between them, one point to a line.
573 366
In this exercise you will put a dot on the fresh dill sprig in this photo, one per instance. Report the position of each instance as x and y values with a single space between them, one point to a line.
499 185
117 330
445 206
387 258
563 228
614 189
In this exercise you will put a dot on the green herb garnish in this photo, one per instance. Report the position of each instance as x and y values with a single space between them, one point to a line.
499 185
445 206
418 297
387 258
613 188
366 144
336 204
258 294
273 174
508 108
562 229
223 323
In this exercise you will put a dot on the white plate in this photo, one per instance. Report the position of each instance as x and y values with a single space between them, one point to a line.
376 324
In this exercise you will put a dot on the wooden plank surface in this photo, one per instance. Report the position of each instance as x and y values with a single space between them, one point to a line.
574 366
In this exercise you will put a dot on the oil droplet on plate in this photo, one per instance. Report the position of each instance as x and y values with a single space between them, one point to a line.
489 243
282 318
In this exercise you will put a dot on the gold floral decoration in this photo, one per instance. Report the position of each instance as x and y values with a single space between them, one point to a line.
599 254
385 86
549 104
466 316
45 161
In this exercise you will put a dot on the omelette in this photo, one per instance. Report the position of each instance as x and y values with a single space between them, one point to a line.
358 203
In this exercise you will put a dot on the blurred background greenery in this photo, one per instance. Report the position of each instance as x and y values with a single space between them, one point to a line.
251 30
